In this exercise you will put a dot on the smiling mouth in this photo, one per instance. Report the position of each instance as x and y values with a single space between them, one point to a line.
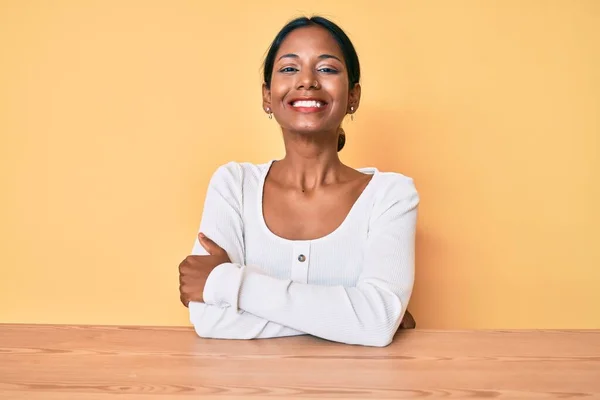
308 104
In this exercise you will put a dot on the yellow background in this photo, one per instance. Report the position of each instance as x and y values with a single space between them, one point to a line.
114 115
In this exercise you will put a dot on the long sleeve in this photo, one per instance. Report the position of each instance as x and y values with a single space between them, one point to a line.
368 313
222 222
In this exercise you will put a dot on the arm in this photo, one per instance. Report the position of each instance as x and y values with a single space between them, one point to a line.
211 321
367 314
222 222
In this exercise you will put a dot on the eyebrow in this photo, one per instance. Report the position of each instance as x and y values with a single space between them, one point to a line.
322 56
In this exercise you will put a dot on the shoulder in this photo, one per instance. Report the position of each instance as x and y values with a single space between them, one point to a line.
393 185
234 175
395 193
234 170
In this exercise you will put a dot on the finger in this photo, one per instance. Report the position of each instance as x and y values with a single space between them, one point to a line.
193 271
211 247
184 300
206 243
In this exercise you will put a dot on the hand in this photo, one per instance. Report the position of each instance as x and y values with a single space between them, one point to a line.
408 322
194 270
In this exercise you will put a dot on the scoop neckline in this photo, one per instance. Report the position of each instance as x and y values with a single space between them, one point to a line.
361 198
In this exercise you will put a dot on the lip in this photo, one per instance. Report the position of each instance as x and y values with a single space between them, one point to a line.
307 109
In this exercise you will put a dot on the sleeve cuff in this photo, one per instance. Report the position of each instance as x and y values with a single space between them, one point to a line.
196 310
222 286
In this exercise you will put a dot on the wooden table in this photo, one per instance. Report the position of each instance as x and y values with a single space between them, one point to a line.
133 363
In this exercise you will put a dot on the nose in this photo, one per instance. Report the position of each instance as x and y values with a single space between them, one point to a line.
307 80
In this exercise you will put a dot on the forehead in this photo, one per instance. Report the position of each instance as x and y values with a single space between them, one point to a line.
310 40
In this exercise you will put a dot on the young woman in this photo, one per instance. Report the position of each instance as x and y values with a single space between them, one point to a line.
305 244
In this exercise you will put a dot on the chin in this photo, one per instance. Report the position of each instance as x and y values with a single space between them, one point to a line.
307 128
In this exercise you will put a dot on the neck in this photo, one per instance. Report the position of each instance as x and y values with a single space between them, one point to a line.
309 164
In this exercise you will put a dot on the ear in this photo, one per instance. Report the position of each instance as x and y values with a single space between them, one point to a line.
354 98
266 95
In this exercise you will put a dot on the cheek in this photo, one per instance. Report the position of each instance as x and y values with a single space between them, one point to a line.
277 98
278 90
338 90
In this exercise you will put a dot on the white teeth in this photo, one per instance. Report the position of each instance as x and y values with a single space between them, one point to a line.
307 103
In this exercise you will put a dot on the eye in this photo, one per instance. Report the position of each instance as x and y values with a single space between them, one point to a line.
328 70
288 69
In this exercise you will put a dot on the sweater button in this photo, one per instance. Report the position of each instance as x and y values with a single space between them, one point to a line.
301 258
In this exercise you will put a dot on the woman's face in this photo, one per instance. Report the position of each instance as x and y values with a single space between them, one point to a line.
309 87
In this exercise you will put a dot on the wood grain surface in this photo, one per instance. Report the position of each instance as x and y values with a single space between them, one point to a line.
143 363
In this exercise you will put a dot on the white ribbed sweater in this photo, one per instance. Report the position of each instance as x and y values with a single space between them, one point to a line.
352 285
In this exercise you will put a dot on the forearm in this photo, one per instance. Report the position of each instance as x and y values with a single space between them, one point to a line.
211 321
368 314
